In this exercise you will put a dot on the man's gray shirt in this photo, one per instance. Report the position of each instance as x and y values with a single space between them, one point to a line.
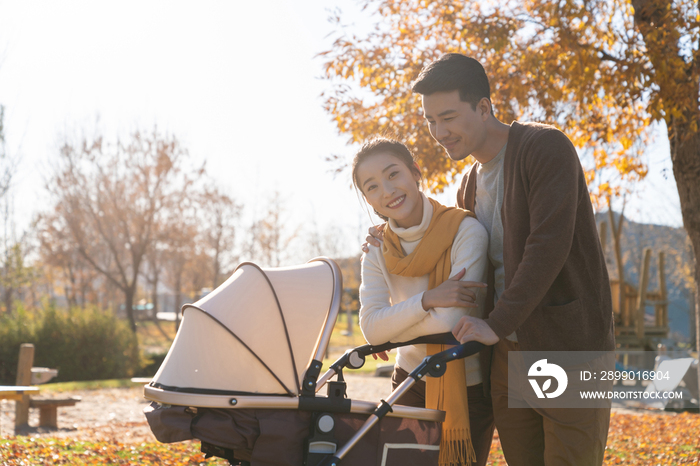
487 207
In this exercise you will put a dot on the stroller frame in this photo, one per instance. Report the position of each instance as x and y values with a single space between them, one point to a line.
318 451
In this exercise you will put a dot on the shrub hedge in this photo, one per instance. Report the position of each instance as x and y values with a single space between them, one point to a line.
83 344
150 364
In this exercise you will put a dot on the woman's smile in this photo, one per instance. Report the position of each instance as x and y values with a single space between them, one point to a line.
396 202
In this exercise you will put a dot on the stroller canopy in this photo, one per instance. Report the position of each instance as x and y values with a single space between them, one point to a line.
255 334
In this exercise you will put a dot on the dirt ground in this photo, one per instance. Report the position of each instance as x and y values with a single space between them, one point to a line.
117 413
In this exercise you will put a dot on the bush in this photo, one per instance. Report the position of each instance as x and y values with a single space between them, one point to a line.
150 364
83 344
16 329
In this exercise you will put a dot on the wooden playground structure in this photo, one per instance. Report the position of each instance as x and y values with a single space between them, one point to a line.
633 330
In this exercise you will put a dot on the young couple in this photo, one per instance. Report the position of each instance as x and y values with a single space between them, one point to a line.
525 227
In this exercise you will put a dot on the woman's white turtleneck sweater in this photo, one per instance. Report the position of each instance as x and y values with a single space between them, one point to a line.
391 308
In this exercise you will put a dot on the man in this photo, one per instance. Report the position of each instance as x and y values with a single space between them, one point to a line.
548 275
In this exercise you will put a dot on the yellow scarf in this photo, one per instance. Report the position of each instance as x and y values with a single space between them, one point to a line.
449 392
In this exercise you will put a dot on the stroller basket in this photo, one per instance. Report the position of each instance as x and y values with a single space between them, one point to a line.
243 372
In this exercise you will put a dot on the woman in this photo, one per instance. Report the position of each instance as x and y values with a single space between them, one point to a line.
416 284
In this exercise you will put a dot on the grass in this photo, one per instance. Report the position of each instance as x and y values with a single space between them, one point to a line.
633 440
86 385
22 450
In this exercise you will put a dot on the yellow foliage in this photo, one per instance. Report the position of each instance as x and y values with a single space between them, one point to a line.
599 70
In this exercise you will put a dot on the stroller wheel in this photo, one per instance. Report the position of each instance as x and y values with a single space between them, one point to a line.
211 450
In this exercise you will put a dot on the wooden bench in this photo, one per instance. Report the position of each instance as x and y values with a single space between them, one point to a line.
15 393
48 409
48 414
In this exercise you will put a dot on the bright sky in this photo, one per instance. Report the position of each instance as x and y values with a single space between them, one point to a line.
236 82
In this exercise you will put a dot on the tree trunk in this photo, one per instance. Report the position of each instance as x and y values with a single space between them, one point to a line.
83 294
8 297
697 319
178 299
217 267
692 317
129 298
685 154
72 295
156 304
68 294
154 313
154 298
650 16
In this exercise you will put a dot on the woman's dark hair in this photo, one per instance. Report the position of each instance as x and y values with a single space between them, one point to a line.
454 72
381 144
375 146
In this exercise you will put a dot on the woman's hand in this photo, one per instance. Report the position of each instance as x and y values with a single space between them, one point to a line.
452 293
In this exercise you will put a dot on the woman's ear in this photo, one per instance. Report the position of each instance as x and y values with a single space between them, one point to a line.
416 172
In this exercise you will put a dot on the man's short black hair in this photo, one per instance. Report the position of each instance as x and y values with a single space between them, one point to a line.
454 72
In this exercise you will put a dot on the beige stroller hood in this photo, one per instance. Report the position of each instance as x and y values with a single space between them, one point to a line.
257 333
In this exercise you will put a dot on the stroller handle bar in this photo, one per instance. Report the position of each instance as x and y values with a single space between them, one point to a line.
446 338
355 358
433 366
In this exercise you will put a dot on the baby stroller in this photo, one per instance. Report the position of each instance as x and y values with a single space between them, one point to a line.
243 376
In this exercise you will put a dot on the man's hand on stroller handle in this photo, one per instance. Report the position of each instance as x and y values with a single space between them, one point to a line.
452 293
375 237
381 355
474 329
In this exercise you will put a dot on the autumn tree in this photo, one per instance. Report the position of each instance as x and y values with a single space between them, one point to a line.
155 263
178 249
109 196
15 273
61 262
198 275
152 273
329 241
218 216
8 165
270 236
604 71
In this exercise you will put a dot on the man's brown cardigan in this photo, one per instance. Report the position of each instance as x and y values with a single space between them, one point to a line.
557 291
